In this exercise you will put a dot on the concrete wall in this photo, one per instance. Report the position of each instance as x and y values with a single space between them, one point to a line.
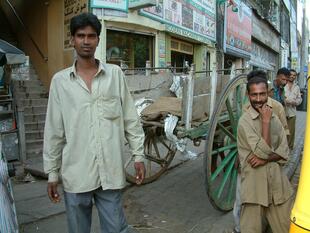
58 57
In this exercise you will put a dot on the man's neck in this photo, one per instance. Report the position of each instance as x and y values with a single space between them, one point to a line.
83 64
290 84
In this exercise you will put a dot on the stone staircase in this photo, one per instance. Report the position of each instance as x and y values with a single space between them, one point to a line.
31 100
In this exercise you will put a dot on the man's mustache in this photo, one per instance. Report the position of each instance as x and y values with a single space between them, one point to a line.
254 102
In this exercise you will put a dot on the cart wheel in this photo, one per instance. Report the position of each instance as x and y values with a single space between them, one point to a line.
221 145
159 152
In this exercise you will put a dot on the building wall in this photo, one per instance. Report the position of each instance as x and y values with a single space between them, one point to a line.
33 14
58 57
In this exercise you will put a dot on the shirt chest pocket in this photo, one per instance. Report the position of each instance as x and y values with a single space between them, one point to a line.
109 108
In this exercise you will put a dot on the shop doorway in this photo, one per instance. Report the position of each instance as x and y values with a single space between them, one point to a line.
179 60
182 54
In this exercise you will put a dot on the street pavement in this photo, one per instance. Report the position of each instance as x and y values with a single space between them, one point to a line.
176 202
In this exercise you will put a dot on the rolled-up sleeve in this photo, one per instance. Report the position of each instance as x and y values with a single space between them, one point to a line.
132 125
258 146
54 138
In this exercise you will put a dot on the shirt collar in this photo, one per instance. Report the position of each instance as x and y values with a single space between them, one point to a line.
101 68
253 113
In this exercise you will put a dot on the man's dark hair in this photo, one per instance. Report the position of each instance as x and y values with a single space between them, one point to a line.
292 70
84 20
256 77
284 71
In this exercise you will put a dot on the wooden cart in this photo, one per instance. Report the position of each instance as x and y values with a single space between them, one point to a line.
204 92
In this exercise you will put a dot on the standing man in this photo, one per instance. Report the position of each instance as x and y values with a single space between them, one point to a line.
292 99
279 83
262 148
89 112
279 111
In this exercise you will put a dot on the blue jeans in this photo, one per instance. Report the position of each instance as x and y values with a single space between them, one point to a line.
109 206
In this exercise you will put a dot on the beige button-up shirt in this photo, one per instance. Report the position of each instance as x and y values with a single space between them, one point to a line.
85 131
292 99
265 184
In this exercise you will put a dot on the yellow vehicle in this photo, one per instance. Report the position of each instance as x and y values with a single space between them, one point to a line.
300 216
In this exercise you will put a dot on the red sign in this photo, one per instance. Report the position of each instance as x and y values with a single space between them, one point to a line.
239 28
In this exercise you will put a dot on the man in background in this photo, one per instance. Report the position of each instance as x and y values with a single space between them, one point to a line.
292 99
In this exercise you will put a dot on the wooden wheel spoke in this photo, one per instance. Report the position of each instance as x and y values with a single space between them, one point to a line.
232 188
231 115
156 147
225 178
227 132
164 143
224 148
157 160
238 101
223 164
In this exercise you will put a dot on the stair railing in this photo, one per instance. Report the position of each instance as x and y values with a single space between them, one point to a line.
45 58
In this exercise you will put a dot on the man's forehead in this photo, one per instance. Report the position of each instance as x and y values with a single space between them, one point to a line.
86 30
258 87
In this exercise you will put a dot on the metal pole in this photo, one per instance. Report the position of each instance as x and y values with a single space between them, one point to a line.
188 97
213 87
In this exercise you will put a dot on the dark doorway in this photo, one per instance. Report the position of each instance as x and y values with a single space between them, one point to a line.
179 60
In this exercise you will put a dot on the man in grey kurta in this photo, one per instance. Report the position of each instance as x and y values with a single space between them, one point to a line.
262 148
90 112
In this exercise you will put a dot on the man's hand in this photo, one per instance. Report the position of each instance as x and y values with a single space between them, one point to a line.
52 192
266 113
140 172
254 161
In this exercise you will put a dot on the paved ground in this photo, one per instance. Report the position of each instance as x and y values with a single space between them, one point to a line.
176 203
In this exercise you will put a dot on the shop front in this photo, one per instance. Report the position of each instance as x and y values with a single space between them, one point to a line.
265 46
129 50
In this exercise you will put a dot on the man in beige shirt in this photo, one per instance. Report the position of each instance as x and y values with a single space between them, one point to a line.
292 99
90 112
262 148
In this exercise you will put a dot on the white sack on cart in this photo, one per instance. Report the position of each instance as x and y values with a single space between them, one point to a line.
142 103
170 124
176 86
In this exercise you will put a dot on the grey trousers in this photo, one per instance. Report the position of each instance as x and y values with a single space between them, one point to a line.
109 206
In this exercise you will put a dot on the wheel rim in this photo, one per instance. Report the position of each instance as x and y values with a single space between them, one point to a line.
221 146
159 152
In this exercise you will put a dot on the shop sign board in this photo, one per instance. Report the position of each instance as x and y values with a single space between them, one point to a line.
190 18
71 9
263 57
138 4
239 29
121 5
262 32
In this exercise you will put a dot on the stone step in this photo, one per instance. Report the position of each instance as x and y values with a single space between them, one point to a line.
32 95
34 134
28 118
34 144
35 152
32 102
27 89
27 83
34 126
35 109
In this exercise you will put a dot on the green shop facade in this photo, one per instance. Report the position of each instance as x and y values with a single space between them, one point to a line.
164 33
